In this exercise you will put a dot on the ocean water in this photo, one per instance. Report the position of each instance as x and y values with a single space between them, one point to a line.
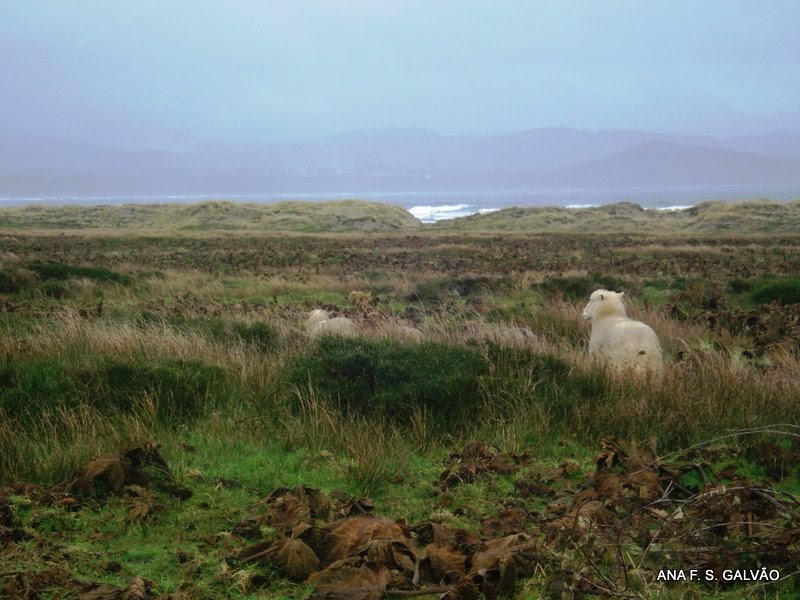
430 207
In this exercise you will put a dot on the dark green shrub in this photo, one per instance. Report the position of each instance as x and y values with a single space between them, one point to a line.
784 291
54 290
28 388
261 335
556 380
60 271
9 283
179 389
394 380
16 280
740 286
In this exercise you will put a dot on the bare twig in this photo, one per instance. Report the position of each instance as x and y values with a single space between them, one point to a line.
257 555
419 592
779 505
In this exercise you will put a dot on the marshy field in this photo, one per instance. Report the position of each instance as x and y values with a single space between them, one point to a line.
168 429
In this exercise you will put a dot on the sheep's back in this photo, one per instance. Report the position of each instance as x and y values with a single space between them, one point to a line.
336 326
625 343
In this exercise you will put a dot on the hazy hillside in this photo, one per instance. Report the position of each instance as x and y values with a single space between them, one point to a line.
399 160
779 143
658 163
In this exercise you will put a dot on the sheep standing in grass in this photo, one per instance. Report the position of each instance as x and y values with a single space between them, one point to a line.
624 344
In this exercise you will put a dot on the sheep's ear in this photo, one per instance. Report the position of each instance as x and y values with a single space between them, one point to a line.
621 294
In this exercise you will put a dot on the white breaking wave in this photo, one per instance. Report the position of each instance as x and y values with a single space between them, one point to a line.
431 214
582 205
673 208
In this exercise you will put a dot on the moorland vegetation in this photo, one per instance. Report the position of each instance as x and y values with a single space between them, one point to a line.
168 427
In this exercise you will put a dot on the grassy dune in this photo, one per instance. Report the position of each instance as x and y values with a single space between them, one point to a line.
344 215
763 216
195 340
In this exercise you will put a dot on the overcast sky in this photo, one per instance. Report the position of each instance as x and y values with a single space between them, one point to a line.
155 73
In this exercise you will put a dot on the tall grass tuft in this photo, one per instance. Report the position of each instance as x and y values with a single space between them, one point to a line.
53 447
369 450
391 380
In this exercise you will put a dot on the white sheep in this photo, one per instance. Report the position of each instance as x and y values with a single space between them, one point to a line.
624 344
319 323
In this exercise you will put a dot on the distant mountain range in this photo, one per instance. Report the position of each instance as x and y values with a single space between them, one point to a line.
402 160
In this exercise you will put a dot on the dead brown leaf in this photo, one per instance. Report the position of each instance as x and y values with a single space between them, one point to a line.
143 504
368 582
110 473
110 469
295 558
520 547
398 555
510 520
444 560
345 537
477 458
285 509
139 589
430 532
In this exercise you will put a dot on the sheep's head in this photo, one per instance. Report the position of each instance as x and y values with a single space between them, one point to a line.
603 302
316 316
